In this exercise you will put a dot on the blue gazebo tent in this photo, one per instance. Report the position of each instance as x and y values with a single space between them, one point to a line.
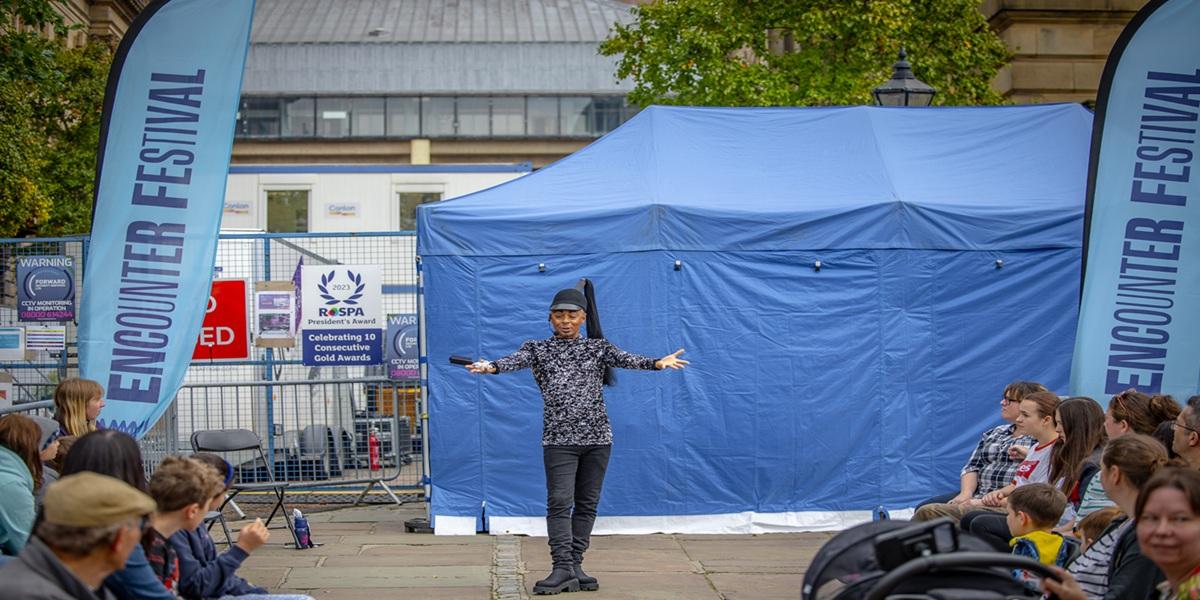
949 247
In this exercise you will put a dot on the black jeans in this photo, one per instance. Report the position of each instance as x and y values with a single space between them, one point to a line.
991 527
574 476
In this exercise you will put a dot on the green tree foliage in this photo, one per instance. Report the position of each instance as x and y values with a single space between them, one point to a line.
720 52
53 97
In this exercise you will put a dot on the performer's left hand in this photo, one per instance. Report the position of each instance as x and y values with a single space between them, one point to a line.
671 361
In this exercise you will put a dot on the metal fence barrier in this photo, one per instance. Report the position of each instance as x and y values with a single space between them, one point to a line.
316 423
317 435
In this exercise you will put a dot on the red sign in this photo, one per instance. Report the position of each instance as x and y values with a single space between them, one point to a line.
225 334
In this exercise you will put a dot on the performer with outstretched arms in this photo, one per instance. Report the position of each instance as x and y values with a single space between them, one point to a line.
571 371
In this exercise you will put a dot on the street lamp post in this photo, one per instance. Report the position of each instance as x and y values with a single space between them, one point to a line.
903 89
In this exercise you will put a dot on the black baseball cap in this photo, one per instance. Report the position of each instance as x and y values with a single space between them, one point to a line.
569 299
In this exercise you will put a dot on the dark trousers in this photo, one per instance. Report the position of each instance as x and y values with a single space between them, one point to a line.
574 476
939 499
991 527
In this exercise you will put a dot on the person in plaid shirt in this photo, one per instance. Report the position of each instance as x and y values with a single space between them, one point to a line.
992 463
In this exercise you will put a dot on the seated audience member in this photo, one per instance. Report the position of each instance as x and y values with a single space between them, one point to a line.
205 574
1186 441
110 452
20 478
1078 431
64 445
90 523
1114 566
1130 411
77 404
1168 533
1090 528
1076 459
1165 434
182 489
1035 418
1168 529
990 466
1033 511
49 449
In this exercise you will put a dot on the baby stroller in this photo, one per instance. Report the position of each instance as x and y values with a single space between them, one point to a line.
899 560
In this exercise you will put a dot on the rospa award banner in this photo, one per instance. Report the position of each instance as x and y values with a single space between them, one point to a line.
1140 308
341 315
165 141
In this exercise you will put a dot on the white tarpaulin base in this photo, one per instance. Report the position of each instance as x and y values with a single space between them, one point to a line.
736 523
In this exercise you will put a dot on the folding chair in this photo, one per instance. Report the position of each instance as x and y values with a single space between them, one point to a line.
236 440
216 516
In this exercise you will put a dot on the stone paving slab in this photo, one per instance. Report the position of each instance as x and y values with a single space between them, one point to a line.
264 577
285 558
633 561
427 593
415 539
368 554
388 556
373 577
757 586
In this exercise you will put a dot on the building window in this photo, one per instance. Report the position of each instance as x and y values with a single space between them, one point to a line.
430 116
508 116
259 117
333 117
543 115
299 117
607 114
366 117
408 207
437 116
287 211
403 116
473 117
574 111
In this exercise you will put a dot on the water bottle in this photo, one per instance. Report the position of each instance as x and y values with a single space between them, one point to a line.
303 539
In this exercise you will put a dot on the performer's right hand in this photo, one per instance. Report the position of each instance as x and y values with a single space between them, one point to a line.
481 366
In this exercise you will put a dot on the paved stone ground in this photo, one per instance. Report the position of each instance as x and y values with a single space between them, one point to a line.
367 554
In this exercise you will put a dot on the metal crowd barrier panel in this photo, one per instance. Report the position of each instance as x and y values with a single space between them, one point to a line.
342 437
271 391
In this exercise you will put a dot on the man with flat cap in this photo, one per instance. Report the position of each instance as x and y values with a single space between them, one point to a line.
571 371
90 525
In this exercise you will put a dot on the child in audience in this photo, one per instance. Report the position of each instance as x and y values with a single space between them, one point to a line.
77 404
1033 511
1090 528
182 488
205 574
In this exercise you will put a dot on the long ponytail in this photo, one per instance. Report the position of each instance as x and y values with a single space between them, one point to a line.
594 331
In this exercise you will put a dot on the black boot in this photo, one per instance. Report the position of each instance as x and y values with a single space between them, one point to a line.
561 579
587 583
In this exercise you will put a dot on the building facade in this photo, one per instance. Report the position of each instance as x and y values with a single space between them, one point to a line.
1059 46
355 111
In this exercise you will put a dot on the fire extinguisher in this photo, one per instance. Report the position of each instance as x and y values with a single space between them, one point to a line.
373 450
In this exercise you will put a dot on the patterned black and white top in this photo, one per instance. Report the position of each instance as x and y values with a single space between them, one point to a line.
570 373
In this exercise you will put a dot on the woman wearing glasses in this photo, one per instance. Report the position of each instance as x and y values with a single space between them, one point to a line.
991 465
1186 439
